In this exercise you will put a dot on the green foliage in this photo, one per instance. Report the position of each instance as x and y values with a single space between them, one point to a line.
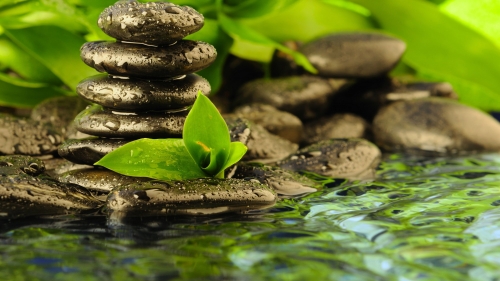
205 150
453 40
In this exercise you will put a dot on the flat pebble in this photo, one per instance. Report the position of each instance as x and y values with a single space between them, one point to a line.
101 180
265 147
90 150
337 126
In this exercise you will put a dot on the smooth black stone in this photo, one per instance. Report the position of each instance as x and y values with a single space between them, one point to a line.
136 60
306 97
152 23
90 150
337 126
98 179
142 95
336 158
354 55
190 197
27 137
59 113
435 125
265 147
26 192
282 181
96 121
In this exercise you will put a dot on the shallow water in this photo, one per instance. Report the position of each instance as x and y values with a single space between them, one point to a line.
422 219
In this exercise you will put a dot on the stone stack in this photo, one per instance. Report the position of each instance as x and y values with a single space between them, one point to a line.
150 81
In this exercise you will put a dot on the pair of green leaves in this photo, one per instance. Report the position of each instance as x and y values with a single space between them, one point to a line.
205 149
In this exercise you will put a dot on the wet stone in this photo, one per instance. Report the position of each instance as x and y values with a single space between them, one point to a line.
265 147
282 181
153 23
281 123
239 128
336 158
435 125
27 193
337 126
190 197
59 113
354 55
136 60
27 137
97 121
90 150
306 97
142 95
102 180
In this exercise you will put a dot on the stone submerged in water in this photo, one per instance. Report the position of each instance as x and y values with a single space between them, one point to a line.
90 150
142 95
337 126
282 181
97 121
27 137
306 97
25 191
121 59
190 197
336 158
280 123
435 125
153 23
354 55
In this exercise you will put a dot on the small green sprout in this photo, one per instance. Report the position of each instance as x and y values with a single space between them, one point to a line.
204 151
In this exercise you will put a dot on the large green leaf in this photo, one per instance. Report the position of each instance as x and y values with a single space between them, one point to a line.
19 93
213 34
254 8
163 159
56 48
206 136
442 46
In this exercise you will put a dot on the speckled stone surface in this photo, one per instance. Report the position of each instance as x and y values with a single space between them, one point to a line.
435 125
354 55
90 150
137 60
152 23
341 125
142 95
96 121
336 158
98 179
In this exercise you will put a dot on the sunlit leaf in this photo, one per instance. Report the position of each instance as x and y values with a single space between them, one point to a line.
440 45
236 152
57 49
206 136
163 159
255 8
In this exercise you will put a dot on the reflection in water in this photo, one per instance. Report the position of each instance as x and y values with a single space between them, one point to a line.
422 219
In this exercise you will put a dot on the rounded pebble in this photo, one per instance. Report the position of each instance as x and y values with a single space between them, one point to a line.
90 150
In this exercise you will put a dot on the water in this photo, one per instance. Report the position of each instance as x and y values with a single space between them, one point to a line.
422 219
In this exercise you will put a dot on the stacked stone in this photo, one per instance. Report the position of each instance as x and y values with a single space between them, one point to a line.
150 81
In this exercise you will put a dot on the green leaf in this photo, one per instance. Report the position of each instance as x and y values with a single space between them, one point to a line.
57 49
236 152
19 93
439 45
255 8
213 34
241 32
163 159
206 136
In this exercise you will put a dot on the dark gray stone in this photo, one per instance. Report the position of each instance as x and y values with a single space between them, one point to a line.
338 126
282 181
90 150
136 60
336 158
436 125
354 55
27 137
98 179
59 113
103 123
152 23
265 147
306 97
142 95
26 192
280 123
239 129
190 197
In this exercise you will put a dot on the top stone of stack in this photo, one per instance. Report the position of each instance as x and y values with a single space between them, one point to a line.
154 23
